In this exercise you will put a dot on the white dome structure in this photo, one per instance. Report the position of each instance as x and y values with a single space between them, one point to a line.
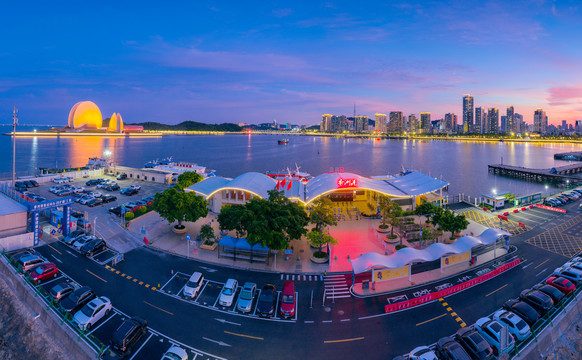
85 114
115 123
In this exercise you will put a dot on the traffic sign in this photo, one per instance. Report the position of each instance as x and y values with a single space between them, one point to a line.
188 237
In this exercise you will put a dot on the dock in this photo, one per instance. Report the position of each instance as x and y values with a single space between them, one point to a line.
555 174
569 156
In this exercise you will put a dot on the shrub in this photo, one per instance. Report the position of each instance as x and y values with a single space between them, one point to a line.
320 255
398 247
129 215
142 210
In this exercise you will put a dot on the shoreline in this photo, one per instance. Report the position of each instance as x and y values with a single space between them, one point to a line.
65 134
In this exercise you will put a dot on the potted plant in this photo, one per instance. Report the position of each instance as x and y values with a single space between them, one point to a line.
318 239
207 238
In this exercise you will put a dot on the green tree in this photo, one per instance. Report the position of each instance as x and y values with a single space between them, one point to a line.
425 208
231 217
460 223
430 233
174 205
319 239
188 178
206 233
321 214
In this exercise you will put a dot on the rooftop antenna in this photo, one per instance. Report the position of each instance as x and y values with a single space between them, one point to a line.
14 123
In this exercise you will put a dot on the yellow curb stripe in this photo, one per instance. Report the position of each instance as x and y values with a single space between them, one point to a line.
449 309
98 277
141 283
438 317
147 285
494 291
243 335
55 249
117 272
159 308
343 340
134 280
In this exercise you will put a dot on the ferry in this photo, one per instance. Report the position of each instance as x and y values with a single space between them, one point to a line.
179 167
290 175
283 141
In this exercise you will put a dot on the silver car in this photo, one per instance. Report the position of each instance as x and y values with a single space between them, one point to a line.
245 299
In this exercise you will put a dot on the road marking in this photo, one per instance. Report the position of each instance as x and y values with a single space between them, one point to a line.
343 340
542 264
281 276
216 342
326 321
98 277
449 309
227 322
56 258
424 322
344 320
141 282
128 277
243 335
152 305
494 291
55 249
117 272
541 272
309 321
106 320
445 304
147 285
134 280
167 282
71 253
141 347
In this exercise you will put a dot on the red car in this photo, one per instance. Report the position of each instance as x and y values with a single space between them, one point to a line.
287 309
561 284
44 272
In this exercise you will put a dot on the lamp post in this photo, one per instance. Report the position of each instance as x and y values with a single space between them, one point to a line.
14 123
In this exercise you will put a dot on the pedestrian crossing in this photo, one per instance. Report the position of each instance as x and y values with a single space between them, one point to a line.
336 287
301 277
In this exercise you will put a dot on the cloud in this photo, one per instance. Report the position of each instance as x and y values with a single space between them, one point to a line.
282 12
564 95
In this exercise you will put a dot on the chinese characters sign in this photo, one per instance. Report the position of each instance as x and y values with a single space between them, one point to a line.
347 183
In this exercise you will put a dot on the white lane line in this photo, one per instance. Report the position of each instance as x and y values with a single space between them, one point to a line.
56 258
541 272
344 320
309 321
309 277
142 345
221 343
281 276
334 276
50 281
340 296
326 321
71 253
106 320
293 277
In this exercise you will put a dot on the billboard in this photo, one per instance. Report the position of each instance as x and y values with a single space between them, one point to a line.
391 274
455 259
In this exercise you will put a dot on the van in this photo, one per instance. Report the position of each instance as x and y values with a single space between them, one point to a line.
288 300
193 285
227 293
30 262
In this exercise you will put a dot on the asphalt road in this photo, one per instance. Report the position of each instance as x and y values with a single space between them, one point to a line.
345 327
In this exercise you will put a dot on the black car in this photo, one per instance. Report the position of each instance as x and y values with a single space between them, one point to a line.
523 310
93 182
112 187
93 247
115 210
77 214
77 299
108 198
474 344
94 202
267 299
20 184
34 183
121 176
129 191
540 301
28 183
125 338
553 292
449 349
72 237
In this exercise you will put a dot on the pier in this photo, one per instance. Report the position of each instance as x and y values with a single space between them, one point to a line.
556 174
569 156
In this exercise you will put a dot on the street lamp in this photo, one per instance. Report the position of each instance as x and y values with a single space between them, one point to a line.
546 190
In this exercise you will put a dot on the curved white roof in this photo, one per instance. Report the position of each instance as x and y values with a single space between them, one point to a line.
253 182
433 252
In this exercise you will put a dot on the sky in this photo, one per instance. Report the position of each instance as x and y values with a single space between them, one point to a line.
259 61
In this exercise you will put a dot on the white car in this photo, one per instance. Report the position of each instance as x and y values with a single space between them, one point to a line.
492 332
569 273
422 353
227 293
193 285
137 187
175 353
516 326
85 199
78 244
91 313
574 264
78 189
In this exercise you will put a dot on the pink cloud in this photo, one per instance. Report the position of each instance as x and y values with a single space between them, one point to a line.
564 95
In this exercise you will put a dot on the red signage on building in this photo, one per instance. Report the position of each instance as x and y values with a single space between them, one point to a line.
346 183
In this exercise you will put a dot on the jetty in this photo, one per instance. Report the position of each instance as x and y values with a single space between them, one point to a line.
569 156
555 174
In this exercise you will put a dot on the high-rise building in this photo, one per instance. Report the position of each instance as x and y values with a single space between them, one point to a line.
325 125
510 120
493 120
413 124
519 124
449 125
380 123
502 129
454 124
468 114
480 120
425 122
540 122
361 124
395 125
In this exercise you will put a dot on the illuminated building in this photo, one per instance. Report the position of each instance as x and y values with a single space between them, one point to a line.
425 122
493 120
380 123
467 114
396 124
85 115
540 122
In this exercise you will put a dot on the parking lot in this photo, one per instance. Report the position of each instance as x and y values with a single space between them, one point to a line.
209 294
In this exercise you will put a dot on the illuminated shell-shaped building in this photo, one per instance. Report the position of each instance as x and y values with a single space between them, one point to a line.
115 123
85 114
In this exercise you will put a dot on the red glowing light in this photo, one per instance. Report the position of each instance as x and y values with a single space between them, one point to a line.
345 183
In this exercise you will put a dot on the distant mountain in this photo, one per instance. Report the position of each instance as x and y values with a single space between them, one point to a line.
190 126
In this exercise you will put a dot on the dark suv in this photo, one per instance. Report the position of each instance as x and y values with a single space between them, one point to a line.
538 300
125 337
474 344
77 299
449 349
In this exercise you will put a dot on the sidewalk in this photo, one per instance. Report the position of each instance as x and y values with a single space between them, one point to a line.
385 287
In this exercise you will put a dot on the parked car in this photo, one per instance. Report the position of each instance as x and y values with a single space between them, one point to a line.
85 199
246 296
149 200
422 353
574 275
105 184
82 240
128 191
126 336
43 272
561 284
94 202
551 291
449 349
64 192
93 182
93 247
267 299
115 210
524 310
62 290
574 264
492 331
92 312
193 285
29 262
34 183
288 300
113 187
121 176
517 327
541 302
27 183
175 353
136 187
77 299
15 256
108 198
227 293
474 344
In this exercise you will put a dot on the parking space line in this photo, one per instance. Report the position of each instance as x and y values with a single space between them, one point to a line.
167 282
50 281
159 308
141 347
257 302
106 320
98 277
201 291
277 305
216 302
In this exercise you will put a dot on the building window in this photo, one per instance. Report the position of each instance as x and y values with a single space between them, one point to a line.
138 176
145 177
130 175
153 179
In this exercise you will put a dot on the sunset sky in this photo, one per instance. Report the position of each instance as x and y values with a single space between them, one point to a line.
246 61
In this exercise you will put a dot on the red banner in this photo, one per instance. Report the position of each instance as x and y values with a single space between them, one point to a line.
446 292
563 211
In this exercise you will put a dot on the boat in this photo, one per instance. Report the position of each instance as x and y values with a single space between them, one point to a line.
290 175
283 141
176 168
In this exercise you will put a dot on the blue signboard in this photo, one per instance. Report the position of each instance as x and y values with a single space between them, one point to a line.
188 237
49 204
35 229
66 219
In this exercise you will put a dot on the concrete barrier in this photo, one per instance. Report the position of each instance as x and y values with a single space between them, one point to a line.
77 349
17 242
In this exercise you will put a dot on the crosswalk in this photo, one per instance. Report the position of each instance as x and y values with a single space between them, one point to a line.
336 287
300 277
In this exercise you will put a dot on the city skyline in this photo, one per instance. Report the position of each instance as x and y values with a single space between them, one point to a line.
213 62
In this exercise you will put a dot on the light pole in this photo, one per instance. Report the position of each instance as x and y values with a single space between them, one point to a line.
14 123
